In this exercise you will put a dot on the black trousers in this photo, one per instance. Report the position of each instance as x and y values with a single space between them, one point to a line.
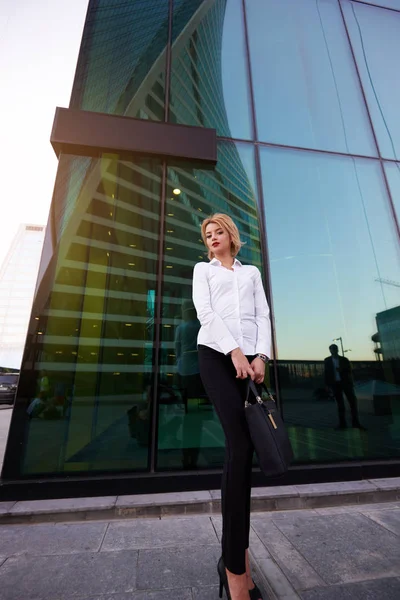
228 395
348 389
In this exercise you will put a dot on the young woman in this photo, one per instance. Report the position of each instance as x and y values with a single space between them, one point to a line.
234 343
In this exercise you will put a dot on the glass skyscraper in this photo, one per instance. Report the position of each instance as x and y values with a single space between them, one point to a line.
18 275
301 97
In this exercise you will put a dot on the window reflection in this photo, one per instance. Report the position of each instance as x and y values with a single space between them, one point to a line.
189 434
378 66
209 84
394 4
305 83
333 249
393 175
92 333
122 60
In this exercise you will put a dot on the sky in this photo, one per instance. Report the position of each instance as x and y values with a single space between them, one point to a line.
39 46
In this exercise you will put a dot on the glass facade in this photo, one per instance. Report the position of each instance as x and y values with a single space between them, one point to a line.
303 98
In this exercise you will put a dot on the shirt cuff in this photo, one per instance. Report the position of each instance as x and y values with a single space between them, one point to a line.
227 344
263 350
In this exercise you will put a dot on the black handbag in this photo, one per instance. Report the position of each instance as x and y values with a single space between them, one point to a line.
268 433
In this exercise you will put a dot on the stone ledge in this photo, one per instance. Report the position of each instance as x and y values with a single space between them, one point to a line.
388 483
65 505
201 502
5 507
163 499
336 488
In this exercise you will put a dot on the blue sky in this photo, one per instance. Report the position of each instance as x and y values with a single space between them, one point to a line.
39 45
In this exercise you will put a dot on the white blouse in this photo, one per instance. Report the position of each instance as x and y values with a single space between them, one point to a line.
232 308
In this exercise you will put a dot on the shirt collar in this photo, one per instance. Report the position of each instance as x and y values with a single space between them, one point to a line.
217 263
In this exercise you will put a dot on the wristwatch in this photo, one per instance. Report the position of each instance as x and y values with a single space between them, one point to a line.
263 357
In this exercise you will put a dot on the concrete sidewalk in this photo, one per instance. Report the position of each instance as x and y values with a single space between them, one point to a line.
338 553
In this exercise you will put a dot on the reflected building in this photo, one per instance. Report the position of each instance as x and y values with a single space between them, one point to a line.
388 323
108 320
18 275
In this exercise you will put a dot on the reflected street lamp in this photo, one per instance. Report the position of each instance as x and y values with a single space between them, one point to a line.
339 339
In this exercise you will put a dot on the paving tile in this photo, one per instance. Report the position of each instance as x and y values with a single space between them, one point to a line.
344 548
260 580
280 585
215 494
163 499
217 523
69 576
51 538
280 491
291 515
174 594
189 566
390 519
335 488
257 548
30 507
206 593
382 589
5 507
379 506
153 533
361 508
301 575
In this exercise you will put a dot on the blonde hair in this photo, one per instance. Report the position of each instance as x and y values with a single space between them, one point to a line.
225 222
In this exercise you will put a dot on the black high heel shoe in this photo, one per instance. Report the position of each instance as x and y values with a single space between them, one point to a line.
254 594
223 579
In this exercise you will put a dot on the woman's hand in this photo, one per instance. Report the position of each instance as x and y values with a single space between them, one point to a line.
242 365
258 367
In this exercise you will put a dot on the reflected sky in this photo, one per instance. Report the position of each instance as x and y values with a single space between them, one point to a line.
385 3
305 82
234 72
330 237
376 40
393 175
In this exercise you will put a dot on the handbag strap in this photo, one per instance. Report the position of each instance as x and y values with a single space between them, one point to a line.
251 387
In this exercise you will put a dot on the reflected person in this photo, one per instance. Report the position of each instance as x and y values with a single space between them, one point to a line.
189 379
339 378
234 343
186 348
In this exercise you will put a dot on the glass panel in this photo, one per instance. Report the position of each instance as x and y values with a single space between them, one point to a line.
394 4
378 65
305 83
333 248
208 77
121 67
87 372
393 175
190 435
